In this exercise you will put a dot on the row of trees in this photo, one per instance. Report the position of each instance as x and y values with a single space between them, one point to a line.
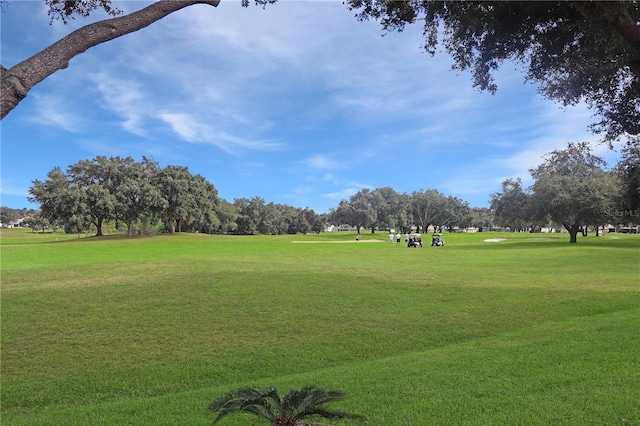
141 194
254 215
384 208
571 188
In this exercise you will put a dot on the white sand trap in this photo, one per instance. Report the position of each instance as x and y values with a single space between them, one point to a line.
497 240
337 242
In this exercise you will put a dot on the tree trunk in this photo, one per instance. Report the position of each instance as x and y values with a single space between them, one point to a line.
98 227
172 225
16 81
573 232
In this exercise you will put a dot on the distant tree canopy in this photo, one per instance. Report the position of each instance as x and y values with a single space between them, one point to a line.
8 215
256 216
575 51
142 194
384 209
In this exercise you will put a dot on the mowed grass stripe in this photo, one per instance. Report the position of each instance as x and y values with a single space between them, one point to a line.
515 378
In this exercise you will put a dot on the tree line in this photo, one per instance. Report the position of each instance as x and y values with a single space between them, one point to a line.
385 209
146 198
571 189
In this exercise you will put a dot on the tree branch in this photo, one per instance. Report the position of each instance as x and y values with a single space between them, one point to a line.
16 81
621 22
627 27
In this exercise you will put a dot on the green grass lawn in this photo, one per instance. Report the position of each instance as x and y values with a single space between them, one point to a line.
118 331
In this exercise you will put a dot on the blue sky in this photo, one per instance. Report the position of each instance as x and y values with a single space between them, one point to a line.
298 103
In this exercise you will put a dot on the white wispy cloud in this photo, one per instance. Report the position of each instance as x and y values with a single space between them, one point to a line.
342 188
193 130
9 188
184 126
322 161
55 111
124 97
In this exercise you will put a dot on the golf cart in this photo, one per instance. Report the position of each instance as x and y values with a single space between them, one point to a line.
415 240
437 241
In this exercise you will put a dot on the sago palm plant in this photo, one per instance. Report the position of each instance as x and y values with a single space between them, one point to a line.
288 410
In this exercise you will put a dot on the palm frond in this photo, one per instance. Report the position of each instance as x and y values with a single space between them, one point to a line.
247 399
294 406
304 402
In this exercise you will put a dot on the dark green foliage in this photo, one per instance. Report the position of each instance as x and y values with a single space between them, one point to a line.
141 193
8 215
255 216
384 209
188 201
122 190
629 171
511 205
572 189
66 9
281 410
575 51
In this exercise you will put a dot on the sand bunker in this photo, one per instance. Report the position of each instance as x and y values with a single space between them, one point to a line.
497 240
338 242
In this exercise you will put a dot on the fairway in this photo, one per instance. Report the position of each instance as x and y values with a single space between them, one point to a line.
149 331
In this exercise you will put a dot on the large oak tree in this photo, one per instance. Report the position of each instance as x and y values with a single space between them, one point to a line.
428 208
359 211
571 188
61 200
